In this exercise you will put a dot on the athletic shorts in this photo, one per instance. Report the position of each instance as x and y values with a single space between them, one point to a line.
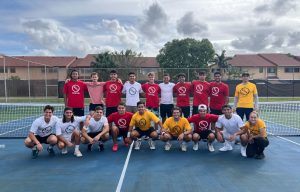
110 110
166 110
94 134
195 110
216 111
204 134
131 109
93 106
43 139
186 111
123 133
78 111
146 133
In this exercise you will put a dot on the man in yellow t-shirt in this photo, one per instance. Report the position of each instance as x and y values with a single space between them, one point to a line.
176 127
245 97
141 121
257 136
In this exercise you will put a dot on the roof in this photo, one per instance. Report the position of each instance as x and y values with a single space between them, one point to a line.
50 61
280 59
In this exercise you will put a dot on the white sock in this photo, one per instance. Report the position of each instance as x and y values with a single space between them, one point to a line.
76 147
50 146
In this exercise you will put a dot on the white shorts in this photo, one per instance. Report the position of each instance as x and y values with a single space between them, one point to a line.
226 136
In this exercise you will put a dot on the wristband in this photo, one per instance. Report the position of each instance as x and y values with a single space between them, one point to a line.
128 134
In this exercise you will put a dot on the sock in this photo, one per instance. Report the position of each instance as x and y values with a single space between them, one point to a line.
50 146
76 147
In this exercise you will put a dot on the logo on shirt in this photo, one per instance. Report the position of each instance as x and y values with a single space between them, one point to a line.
142 122
215 91
244 91
69 129
199 89
203 125
113 88
122 123
182 90
151 90
177 130
75 89
46 130
132 91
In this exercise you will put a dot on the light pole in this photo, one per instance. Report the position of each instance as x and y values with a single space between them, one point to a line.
4 70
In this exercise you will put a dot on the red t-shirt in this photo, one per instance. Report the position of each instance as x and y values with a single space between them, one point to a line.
75 93
113 93
218 93
121 121
201 92
182 91
202 124
151 92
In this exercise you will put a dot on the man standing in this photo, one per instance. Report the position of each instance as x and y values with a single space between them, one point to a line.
74 93
151 90
182 90
166 99
201 92
244 97
219 95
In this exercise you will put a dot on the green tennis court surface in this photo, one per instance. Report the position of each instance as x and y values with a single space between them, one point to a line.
152 170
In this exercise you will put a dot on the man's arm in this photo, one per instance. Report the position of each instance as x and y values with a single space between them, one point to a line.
66 100
235 101
34 139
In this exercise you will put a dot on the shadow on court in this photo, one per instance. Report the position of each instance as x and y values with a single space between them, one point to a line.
152 170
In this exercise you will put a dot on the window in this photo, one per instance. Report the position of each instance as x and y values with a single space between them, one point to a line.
2 70
288 70
49 70
271 70
12 70
261 69
296 69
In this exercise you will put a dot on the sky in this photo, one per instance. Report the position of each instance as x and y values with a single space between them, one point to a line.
80 27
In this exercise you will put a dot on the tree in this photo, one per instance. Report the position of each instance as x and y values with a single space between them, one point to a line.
185 53
128 58
221 60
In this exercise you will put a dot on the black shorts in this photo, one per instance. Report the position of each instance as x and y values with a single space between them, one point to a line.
123 133
216 111
195 110
244 112
110 110
78 111
186 111
94 134
93 106
43 139
146 133
204 134
166 110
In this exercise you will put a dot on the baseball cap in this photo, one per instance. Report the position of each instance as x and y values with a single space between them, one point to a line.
202 106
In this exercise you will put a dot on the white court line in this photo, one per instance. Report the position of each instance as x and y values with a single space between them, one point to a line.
124 169
285 139
14 130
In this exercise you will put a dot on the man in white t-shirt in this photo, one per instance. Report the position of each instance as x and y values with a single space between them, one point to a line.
96 129
229 128
166 97
41 131
132 90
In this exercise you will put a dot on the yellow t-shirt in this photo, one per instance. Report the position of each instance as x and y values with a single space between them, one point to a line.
255 129
143 121
245 93
175 128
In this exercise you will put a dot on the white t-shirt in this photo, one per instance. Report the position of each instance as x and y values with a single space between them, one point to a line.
231 125
97 126
41 128
166 93
132 92
66 129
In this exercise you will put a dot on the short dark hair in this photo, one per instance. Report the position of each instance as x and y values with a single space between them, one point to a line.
94 73
245 74
180 75
131 73
140 102
98 108
166 74
122 104
177 108
49 107
202 73
226 106
217 73
113 71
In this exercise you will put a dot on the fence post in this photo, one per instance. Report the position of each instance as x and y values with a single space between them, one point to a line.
28 74
5 86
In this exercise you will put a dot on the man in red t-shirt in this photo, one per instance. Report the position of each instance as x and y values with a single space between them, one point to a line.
74 93
151 90
219 95
121 119
202 127
182 91
113 93
201 92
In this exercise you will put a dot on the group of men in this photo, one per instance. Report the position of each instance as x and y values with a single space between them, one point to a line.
136 119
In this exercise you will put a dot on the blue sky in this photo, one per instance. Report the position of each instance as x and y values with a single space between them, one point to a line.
76 27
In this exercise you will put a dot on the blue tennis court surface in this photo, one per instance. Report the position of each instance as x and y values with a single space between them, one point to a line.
152 170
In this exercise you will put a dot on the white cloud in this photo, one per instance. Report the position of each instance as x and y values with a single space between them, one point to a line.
188 25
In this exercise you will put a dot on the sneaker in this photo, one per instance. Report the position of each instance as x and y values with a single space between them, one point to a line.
227 147
196 146
89 147
115 147
119 138
101 146
64 150
210 147
243 151
146 137
183 147
77 153
137 144
168 146
35 152
50 151
260 156
151 144
125 143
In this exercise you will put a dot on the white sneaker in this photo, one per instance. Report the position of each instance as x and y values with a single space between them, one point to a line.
243 151
151 144
168 146
137 144
183 147
227 147
210 147
196 146
64 150
77 153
